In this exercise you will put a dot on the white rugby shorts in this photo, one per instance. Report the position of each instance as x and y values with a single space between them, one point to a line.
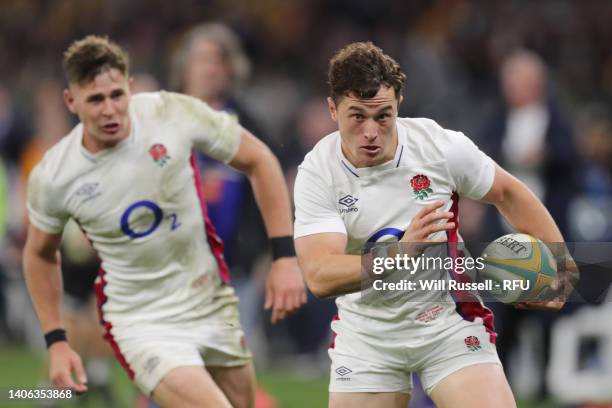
378 363
150 351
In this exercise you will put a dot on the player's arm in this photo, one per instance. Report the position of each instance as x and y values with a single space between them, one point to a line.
526 213
285 291
477 177
43 276
44 281
521 208
330 272
220 136
262 168
327 269
321 236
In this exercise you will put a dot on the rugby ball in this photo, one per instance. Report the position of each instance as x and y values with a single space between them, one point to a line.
520 267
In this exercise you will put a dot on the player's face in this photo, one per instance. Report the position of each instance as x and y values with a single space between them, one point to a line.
522 82
367 127
102 106
207 73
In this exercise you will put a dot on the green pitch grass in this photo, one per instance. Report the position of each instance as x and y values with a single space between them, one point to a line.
20 368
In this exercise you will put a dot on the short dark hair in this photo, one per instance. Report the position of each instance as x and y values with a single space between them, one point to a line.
361 68
88 57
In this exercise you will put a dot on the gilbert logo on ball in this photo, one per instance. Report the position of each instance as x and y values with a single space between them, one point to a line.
421 186
520 267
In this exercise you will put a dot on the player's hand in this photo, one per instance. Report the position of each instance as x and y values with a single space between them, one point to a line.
285 290
426 222
568 274
63 362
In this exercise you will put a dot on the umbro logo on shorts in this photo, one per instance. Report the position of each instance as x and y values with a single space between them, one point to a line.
151 364
342 371
348 201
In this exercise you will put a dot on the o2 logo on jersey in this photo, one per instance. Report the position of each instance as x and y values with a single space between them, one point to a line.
148 209
385 233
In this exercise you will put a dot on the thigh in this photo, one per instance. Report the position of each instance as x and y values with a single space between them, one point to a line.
149 362
461 345
368 399
189 386
149 351
237 383
475 386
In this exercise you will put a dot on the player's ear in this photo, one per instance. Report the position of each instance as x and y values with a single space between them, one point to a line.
131 84
332 109
69 100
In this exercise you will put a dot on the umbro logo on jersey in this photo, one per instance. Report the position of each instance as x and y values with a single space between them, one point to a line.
348 201
88 191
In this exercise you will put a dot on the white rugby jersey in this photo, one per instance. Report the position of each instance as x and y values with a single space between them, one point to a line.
376 204
141 206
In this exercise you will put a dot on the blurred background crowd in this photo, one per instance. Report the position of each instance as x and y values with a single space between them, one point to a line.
529 82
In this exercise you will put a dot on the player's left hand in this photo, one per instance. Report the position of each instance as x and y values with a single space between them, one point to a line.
567 279
285 289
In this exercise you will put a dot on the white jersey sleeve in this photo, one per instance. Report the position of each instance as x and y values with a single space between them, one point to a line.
43 205
315 210
215 133
472 171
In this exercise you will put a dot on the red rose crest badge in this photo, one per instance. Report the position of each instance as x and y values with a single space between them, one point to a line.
420 185
159 153
472 343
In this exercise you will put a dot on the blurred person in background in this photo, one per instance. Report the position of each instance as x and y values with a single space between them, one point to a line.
14 135
4 330
592 210
144 82
529 135
14 129
579 372
311 122
166 310
211 65
51 122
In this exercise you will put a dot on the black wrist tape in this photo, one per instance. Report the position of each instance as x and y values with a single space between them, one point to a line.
54 336
282 247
